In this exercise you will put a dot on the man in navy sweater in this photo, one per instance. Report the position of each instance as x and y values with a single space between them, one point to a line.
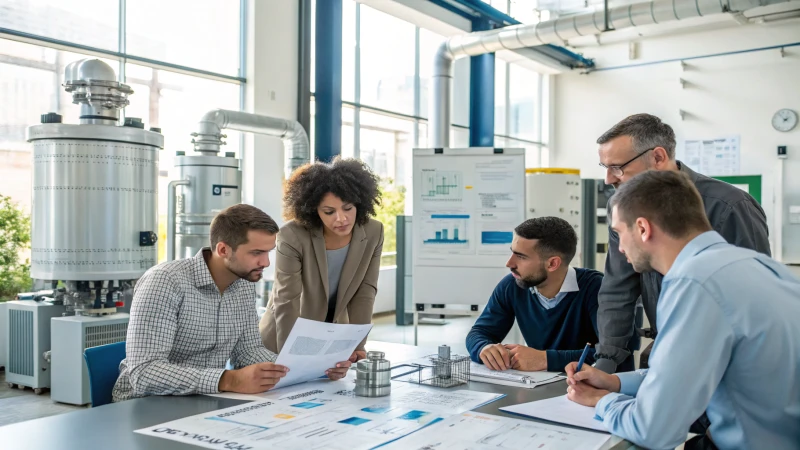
554 304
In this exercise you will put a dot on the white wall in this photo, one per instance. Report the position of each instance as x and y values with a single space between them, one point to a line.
387 282
271 90
726 95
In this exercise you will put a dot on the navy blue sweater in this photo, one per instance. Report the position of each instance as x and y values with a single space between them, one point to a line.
562 331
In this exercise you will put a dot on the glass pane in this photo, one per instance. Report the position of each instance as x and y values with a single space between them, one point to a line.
175 102
348 132
500 5
202 34
387 65
422 136
429 42
524 118
30 85
89 22
525 11
386 144
500 121
348 141
532 151
313 52
459 137
349 49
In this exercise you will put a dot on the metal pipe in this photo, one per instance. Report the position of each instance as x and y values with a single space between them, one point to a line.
208 136
441 98
171 215
557 31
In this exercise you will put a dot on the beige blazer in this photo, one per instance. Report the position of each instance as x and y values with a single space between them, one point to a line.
301 280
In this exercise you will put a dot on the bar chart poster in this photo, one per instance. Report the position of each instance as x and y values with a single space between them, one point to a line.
466 204
447 233
442 185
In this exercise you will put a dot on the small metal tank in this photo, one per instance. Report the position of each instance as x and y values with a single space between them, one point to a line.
373 376
210 183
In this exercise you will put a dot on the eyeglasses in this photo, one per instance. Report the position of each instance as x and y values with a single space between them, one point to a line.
617 170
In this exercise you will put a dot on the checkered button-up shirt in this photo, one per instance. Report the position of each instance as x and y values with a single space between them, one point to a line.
182 332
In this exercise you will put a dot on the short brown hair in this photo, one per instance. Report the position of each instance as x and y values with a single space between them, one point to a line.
667 199
646 131
232 224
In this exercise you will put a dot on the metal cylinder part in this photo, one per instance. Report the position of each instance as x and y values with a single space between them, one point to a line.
441 367
95 194
213 183
373 376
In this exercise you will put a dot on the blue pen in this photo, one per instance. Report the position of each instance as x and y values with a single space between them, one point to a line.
583 357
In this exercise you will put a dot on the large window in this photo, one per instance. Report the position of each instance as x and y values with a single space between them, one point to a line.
387 61
520 106
30 85
94 23
386 71
181 58
202 34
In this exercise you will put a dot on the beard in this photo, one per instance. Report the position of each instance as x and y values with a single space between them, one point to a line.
641 262
249 275
531 280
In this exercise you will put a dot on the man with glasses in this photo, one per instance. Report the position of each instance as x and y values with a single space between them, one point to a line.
636 144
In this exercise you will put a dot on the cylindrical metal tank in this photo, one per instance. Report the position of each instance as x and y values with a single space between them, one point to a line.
94 201
212 183
95 191
556 192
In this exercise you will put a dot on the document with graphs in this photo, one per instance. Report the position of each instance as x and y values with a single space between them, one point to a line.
321 414
296 422
313 347
477 431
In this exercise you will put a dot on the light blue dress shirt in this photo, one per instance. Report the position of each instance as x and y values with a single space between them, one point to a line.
570 284
728 344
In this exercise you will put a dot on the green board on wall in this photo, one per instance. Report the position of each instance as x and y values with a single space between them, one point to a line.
748 183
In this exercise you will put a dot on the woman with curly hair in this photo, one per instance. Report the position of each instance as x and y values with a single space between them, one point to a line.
328 254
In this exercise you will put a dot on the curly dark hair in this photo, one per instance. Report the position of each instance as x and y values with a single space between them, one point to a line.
347 178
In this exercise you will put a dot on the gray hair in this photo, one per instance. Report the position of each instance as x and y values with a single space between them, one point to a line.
646 132
667 199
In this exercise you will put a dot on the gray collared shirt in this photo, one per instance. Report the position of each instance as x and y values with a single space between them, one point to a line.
182 331
732 212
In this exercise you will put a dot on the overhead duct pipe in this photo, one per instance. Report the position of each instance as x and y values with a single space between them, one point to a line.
557 31
208 137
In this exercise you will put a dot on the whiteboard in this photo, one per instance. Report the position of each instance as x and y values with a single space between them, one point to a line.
466 205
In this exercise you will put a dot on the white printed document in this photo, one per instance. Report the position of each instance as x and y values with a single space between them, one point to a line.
511 377
296 422
559 409
314 347
476 431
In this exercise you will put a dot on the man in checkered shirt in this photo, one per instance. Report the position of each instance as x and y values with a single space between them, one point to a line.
190 316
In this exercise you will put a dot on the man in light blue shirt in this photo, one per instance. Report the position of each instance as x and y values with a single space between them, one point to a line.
729 332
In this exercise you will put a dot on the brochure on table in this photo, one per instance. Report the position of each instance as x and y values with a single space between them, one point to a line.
322 414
